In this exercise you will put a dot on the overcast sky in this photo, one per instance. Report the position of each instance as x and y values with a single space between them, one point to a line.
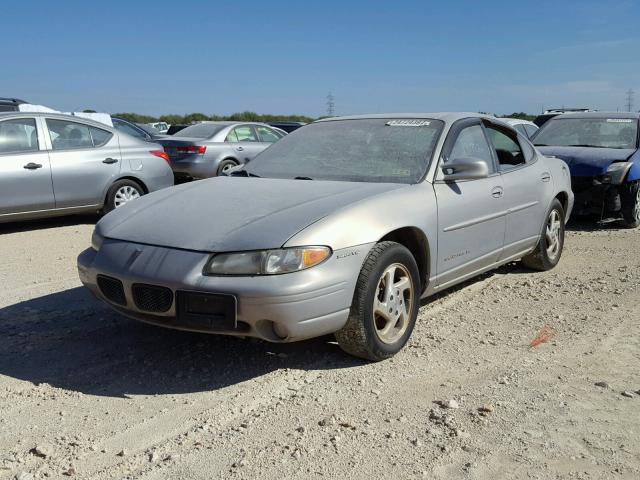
284 57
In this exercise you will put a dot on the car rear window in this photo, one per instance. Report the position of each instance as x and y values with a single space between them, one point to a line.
589 132
201 130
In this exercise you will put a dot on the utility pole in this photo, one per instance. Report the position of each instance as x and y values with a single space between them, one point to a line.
331 105
630 94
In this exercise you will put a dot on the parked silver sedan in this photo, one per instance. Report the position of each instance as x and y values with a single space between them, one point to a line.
340 227
53 164
208 149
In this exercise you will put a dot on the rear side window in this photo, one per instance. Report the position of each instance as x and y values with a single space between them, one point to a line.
18 135
245 134
99 136
128 129
507 148
531 129
267 135
67 135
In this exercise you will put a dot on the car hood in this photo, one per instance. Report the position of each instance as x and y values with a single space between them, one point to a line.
588 161
232 213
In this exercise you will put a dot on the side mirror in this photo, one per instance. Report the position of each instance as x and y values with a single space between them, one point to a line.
465 168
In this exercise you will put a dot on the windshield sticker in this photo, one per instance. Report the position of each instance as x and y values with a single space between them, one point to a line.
408 123
619 120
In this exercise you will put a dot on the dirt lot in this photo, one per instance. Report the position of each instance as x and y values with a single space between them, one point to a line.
88 394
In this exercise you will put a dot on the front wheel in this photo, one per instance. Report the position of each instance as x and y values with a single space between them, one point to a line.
549 249
630 202
385 304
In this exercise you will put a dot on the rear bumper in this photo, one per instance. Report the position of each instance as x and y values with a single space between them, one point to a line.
278 308
194 167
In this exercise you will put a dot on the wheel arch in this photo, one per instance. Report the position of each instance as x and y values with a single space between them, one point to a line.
563 197
144 187
415 240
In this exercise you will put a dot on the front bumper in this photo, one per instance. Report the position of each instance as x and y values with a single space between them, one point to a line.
595 195
278 308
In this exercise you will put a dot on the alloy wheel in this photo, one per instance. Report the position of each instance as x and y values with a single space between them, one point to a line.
552 233
393 303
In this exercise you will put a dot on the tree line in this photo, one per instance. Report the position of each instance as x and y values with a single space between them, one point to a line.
201 117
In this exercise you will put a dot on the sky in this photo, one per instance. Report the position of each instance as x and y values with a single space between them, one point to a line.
159 57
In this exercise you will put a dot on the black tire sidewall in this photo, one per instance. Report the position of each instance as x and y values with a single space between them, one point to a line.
629 201
394 254
224 162
111 194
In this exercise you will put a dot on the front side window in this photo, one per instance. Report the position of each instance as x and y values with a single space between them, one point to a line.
68 135
18 135
363 150
267 135
507 148
471 143
589 132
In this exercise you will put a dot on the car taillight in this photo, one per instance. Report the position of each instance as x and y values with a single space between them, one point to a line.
161 154
192 149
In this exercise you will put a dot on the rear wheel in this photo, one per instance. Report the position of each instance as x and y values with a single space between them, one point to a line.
385 304
122 192
549 249
630 202
226 165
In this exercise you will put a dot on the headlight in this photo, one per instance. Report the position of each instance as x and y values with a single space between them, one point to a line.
266 262
96 241
617 171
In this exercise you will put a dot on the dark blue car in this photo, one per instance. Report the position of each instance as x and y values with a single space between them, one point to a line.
602 152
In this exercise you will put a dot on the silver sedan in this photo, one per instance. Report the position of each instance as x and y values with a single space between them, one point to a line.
53 164
208 149
341 227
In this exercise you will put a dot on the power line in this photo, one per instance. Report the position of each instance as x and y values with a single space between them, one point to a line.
630 94
331 105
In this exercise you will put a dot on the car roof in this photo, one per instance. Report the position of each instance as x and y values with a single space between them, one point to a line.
622 115
16 101
444 116
517 121
60 116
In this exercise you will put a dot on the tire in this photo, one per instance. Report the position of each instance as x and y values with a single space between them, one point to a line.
118 193
363 335
630 203
226 165
548 252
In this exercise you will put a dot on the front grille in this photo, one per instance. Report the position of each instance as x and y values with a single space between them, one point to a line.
112 289
152 298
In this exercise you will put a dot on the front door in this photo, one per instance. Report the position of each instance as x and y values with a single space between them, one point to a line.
25 172
471 213
84 161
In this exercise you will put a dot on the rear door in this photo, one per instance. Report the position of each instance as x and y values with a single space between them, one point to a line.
25 172
471 213
84 161
245 141
526 185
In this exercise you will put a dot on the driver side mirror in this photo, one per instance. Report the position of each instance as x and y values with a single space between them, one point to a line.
465 168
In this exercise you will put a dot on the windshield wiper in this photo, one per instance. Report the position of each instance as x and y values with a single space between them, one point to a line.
243 173
590 146
541 145
302 178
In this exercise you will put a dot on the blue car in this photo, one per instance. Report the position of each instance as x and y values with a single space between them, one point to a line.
602 152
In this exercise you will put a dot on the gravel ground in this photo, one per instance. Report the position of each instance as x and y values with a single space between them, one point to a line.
85 393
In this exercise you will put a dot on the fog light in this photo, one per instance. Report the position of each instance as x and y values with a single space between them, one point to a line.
280 331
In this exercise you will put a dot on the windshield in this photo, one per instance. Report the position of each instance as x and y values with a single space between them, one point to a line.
368 150
589 132
201 130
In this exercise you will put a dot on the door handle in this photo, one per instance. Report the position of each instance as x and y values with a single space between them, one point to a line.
33 166
545 177
240 149
497 192
109 161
